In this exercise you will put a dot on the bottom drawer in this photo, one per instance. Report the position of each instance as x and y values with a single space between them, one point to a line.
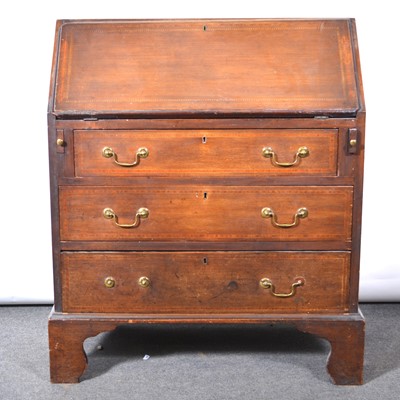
205 282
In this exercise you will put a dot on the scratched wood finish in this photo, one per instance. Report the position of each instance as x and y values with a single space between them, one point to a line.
206 152
206 213
205 282
205 67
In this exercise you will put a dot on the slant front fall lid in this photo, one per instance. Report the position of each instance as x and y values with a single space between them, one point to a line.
205 67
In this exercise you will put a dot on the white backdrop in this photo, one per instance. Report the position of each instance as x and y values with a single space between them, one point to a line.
26 38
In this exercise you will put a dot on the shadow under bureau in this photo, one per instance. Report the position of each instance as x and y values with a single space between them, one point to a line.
206 172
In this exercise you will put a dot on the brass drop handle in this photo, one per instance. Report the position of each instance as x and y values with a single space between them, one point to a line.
266 283
301 213
144 282
142 152
302 152
142 212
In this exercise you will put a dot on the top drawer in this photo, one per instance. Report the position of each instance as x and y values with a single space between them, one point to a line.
129 153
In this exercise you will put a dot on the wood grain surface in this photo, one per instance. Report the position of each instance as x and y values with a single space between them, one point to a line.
206 152
205 67
210 213
212 282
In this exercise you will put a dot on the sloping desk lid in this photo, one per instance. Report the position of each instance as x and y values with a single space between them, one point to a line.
205 67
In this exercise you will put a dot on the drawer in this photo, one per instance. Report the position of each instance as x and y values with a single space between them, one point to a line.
197 152
213 282
215 213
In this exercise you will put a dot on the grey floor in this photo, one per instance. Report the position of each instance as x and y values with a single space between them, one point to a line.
197 362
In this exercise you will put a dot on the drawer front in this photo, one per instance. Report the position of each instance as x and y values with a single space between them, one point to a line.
220 282
215 213
198 152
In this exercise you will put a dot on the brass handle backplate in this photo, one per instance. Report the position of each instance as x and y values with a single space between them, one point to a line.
266 283
142 152
142 212
267 212
144 281
302 152
109 282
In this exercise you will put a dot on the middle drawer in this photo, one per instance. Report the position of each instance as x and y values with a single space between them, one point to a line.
215 213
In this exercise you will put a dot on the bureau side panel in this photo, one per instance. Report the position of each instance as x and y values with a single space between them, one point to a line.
54 160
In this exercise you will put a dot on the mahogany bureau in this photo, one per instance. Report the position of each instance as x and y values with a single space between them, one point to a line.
208 172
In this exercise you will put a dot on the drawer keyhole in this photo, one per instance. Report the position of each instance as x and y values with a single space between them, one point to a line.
205 195
204 139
